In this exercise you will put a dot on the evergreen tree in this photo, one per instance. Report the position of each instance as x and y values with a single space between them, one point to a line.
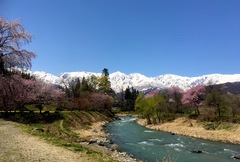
104 85
77 87
130 97
105 72
127 94
92 83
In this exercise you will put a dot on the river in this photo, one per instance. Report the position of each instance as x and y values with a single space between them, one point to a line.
150 145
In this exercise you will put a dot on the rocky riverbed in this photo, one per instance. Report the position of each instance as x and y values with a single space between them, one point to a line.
98 139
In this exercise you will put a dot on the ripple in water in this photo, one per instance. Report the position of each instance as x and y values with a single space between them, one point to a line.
229 150
150 145
159 140
175 145
148 131
146 143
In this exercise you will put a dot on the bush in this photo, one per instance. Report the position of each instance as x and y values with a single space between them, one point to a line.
31 117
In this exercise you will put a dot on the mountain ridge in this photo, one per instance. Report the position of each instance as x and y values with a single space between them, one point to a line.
141 82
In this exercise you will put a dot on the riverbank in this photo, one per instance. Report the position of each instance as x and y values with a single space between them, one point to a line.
79 134
17 145
86 128
96 139
191 128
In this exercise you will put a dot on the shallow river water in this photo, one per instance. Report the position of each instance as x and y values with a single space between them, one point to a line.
150 145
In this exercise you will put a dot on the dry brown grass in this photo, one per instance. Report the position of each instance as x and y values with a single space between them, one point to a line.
192 128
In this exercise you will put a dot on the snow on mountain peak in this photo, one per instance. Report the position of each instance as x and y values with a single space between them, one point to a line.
121 81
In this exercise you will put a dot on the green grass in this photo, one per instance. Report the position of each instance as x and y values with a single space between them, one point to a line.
60 134
60 141
58 128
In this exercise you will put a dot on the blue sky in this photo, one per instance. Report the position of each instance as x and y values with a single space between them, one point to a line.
152 37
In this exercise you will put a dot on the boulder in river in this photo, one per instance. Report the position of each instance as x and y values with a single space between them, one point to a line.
197 151
237 156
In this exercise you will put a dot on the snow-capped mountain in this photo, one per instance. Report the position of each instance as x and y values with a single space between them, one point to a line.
121 81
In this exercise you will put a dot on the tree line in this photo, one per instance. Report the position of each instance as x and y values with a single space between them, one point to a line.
205 103
92 93
19 90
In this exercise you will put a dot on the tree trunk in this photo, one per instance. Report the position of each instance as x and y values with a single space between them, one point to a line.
198 112
233 112
154 121
159 119
2 68
219 111
40 108
21 107
4 104
158 116
149 120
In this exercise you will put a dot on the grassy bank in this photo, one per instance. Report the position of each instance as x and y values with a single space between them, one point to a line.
61 129
215 131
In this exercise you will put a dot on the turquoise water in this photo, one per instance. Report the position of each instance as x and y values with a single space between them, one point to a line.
149 145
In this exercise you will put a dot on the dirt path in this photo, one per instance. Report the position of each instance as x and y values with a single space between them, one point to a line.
16 145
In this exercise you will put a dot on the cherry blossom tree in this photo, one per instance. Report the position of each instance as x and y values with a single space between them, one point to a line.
23 91
175 94
12 38
15 92
194 97
44 94
100 102
5 93
152 93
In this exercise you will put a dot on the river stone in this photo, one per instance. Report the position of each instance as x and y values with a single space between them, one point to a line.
110 141
104 126
116 147
237 156
93 140
123 153
103 141
81 140
94 130
197 151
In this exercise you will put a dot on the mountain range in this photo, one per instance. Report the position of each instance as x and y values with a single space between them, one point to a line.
121 81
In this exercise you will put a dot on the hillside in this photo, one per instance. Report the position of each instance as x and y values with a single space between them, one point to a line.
233 88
